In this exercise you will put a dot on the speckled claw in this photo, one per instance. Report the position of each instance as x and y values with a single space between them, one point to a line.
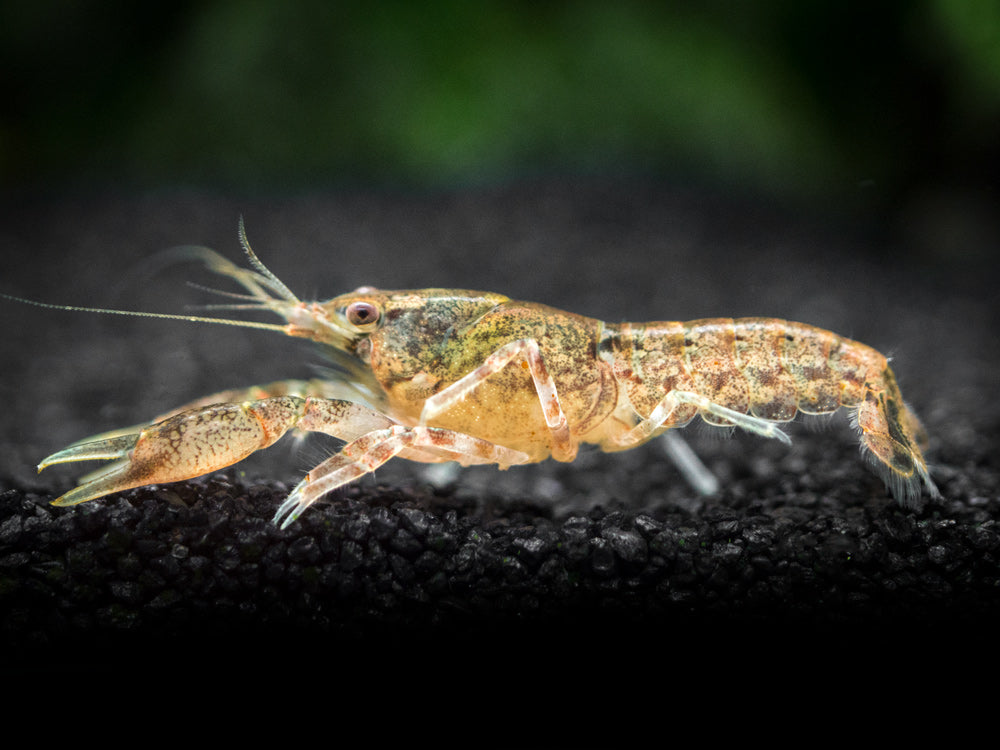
183 446
95 450
103 481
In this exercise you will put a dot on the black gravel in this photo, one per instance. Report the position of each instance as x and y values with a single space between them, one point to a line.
589 569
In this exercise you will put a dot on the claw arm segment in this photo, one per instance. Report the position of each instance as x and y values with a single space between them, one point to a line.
545 387
206 439
183 446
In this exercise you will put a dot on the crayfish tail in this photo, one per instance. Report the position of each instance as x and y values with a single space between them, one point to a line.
891 439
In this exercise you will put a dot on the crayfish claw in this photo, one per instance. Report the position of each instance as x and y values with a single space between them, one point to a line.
96 450
98 483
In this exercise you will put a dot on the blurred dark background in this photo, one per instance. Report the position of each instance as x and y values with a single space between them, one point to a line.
889 112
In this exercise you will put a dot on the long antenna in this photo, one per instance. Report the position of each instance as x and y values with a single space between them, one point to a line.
165 316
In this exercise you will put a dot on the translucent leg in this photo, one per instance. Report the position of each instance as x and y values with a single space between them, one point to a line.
370 451
687 462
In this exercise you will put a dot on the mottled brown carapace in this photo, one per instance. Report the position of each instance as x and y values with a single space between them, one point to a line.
436 375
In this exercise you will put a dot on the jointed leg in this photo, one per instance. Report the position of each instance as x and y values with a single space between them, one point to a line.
662 414
373 449
694 471
687 462
524 349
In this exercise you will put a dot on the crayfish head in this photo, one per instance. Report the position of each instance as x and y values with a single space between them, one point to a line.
401 335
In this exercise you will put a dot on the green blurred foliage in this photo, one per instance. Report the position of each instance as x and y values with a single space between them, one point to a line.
818 98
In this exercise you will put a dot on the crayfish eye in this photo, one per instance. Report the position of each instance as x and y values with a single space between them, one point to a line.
362 314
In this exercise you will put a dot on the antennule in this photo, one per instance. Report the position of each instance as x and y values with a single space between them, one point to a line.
274 282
